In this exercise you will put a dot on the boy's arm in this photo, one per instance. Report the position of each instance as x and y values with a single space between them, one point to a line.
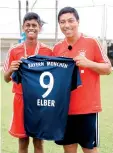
10 65
13 67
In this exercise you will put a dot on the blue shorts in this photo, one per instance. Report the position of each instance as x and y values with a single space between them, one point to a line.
81 129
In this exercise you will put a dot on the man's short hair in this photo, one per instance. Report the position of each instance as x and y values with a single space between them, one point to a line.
35 16
68 10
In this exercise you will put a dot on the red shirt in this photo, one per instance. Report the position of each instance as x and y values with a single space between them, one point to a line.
85 99
17 52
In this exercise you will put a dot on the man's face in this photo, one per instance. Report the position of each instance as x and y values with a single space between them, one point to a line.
31 28
68 24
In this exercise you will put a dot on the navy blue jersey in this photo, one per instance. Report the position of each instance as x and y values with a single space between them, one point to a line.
47 83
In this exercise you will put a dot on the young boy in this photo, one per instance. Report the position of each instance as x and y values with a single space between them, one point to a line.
31 26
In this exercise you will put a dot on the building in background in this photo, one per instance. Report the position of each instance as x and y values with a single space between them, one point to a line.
7 43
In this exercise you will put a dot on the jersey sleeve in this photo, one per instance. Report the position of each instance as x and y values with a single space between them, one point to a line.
54 51
16 76
45 50
99 54
9 59
48 52
76 79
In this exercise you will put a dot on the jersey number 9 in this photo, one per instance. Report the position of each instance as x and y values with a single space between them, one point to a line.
49 86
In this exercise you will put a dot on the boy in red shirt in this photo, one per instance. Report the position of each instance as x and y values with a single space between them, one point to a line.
31 26
85 101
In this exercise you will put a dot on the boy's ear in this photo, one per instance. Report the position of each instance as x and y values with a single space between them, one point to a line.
23 28
40 28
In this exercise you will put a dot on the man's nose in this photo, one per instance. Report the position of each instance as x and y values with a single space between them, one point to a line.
67 24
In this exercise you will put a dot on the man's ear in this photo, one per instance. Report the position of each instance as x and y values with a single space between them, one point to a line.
78 22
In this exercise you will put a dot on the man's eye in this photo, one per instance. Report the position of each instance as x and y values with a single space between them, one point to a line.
71 21
62 22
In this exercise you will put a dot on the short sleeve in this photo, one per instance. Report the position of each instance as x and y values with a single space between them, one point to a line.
76 79
55 51
9 59
16 76
100 55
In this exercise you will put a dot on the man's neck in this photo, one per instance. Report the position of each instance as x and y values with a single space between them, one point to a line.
72 40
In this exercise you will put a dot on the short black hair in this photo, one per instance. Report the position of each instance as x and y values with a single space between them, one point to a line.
35 16
68 10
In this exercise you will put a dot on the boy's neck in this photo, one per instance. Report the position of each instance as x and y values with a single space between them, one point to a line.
31 42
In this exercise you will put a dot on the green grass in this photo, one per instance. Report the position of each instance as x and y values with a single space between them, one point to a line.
10 144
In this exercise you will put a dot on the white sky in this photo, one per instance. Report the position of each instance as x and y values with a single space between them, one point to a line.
91 17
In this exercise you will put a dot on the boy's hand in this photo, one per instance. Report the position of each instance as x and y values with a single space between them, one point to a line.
14 66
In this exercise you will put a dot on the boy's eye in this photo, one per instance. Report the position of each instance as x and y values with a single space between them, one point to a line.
27 25
32 25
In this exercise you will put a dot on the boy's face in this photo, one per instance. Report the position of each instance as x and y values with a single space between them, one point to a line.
31 28
68 24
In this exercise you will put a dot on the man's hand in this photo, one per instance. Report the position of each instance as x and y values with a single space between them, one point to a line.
100 68
81 61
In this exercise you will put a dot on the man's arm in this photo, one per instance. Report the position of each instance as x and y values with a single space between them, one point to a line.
101 68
